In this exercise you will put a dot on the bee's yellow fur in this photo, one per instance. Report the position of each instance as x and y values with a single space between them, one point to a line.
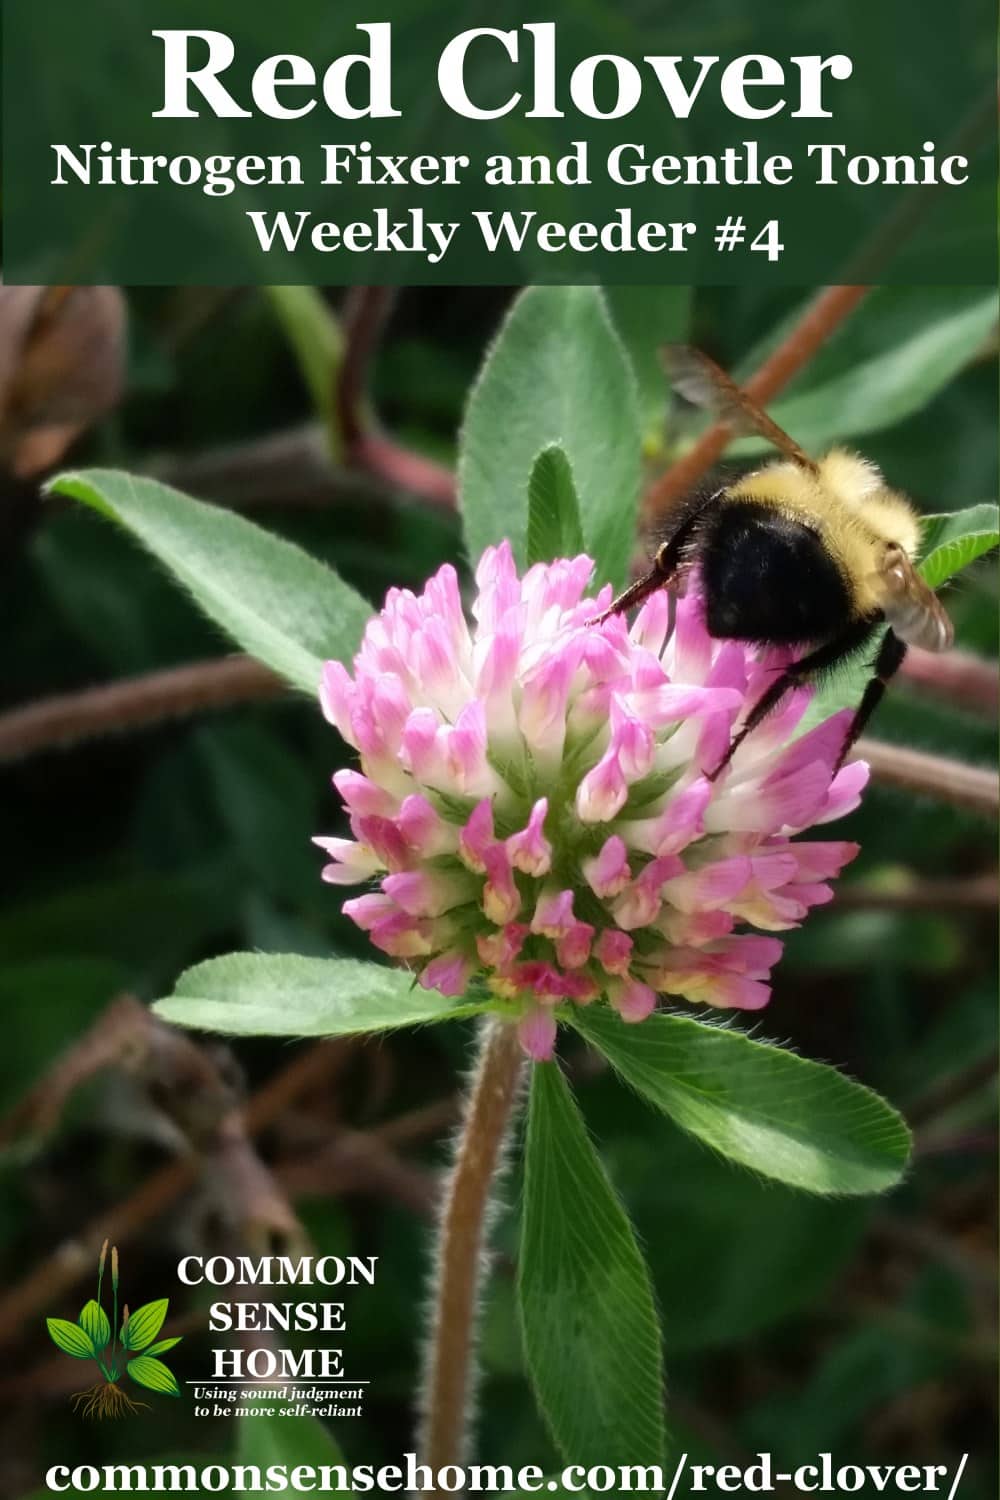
848 503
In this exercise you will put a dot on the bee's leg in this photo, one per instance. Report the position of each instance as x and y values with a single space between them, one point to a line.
635 593
827 655
664 570
888 662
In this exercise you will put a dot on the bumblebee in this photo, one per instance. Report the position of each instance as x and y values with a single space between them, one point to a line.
806 553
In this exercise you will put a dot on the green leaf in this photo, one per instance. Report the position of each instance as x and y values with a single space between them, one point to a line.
144 1324
800 1122
587 1317
557 374
647 317
162 1345
281 994
894 383
96 1324
55 999
153 1374
272 1435
954 540
315 334
70 1338
765 1250
553 509
277 602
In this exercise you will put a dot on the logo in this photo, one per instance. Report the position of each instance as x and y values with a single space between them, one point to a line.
130 1350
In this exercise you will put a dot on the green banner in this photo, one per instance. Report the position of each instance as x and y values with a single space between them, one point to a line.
701 141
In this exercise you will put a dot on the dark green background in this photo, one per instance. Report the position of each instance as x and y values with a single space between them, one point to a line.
77 73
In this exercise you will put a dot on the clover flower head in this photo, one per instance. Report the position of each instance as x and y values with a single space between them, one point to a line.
532 808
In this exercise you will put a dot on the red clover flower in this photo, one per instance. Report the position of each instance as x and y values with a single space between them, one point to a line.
532 808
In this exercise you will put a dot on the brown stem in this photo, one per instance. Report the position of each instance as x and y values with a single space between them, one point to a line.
402 469
823 315
134 703
953 1089
448 1372
958 677
364 316
957 893
931 775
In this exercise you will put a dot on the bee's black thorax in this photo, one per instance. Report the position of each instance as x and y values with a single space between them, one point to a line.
768 578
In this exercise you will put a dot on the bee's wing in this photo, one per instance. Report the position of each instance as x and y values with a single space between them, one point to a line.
910 606
704 383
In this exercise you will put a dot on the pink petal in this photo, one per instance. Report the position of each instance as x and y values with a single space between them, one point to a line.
422 828
692 645
465 750
845 792
813 893
443 601
695 929
419 747
450 973
352 862
477 836
649 628
553 914
683 818
774 868
427 893
537 1034
495 664
573 947
499 586
539 978
501 899
710 887
639 904
823 743
544 696
403 936
731 992
674 702
390 705
499 949
336 697
529 850
608 873
602 792
822 860
382 835
613 951
632 1000
791 802
749 954
364 796
631 741
434 660
365 911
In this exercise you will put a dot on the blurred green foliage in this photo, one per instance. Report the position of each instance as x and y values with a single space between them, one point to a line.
796 1325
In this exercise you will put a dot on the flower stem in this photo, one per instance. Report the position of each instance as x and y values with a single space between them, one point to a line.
448 1370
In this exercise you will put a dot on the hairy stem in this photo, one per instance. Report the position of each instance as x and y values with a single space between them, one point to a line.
448 1371
134 703
934 776
969 682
